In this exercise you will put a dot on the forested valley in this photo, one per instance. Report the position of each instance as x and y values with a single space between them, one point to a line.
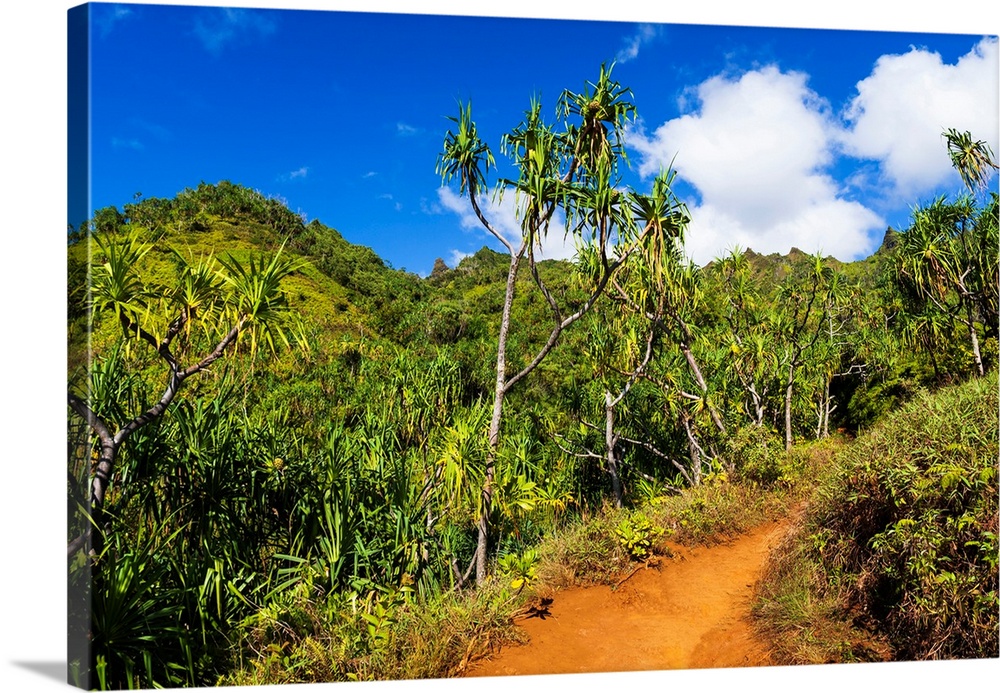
290 462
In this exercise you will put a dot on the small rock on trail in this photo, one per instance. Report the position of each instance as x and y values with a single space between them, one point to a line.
690 612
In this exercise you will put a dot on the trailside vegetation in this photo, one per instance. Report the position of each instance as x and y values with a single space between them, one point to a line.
897 557
286 459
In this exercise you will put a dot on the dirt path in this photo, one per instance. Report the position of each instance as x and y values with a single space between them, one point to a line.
689 613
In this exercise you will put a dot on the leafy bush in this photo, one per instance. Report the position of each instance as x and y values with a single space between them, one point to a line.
905 533
637 535
520 569
758 456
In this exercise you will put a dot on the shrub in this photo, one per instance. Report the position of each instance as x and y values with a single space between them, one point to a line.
905 533
637 535
758 456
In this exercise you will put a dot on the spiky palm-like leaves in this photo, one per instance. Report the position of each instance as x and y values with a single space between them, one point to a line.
465 155
973 159
161 318
947 258
574 169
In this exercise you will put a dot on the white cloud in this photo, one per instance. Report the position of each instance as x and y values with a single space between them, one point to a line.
456 256
834 227
645 34
404 130
430 208
757 151
293 175
502 215
902 108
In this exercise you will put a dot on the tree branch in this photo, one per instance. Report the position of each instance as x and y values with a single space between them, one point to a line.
677 465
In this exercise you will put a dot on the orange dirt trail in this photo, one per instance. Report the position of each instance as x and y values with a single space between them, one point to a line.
689 613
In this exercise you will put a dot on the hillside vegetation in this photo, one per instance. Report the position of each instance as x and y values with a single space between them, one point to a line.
292 462
897 555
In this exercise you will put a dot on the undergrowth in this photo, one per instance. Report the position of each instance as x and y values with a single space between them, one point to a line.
897 556
310 639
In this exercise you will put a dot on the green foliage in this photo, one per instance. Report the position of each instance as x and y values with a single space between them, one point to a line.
637 535
138 637
906 531
973 159
309 516
520 569
758 456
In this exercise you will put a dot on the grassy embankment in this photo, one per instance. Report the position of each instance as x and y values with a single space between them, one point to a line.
896 557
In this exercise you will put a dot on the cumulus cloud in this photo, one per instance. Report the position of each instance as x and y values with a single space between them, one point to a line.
903 106
644 35
502 215
229 25
757 148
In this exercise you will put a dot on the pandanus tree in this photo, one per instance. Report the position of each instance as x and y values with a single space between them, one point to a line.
616 353
973 159
834 356
625 337
570 170
752 359
805 306
213 304
667 293
948 259
948 256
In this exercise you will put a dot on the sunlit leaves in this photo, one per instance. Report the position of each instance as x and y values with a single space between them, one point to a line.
256 300
604 107
465 155
116 286
973 159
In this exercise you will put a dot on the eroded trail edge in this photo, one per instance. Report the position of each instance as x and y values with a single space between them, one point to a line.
691 612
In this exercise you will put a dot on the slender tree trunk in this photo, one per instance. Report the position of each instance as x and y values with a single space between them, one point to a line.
975 343
494 434
694 449
700 379
108 446
758 407
789 384
826 414
609 442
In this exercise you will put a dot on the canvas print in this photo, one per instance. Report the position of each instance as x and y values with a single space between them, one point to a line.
627 347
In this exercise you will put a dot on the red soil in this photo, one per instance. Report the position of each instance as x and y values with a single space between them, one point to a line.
688 613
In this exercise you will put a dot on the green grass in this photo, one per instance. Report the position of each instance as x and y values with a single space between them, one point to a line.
338 638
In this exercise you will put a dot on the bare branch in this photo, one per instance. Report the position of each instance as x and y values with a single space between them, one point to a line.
489 227
586 454
656 451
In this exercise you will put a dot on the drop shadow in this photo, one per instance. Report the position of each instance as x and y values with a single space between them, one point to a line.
50 670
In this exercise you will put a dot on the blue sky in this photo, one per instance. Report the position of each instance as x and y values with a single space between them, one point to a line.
781 137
